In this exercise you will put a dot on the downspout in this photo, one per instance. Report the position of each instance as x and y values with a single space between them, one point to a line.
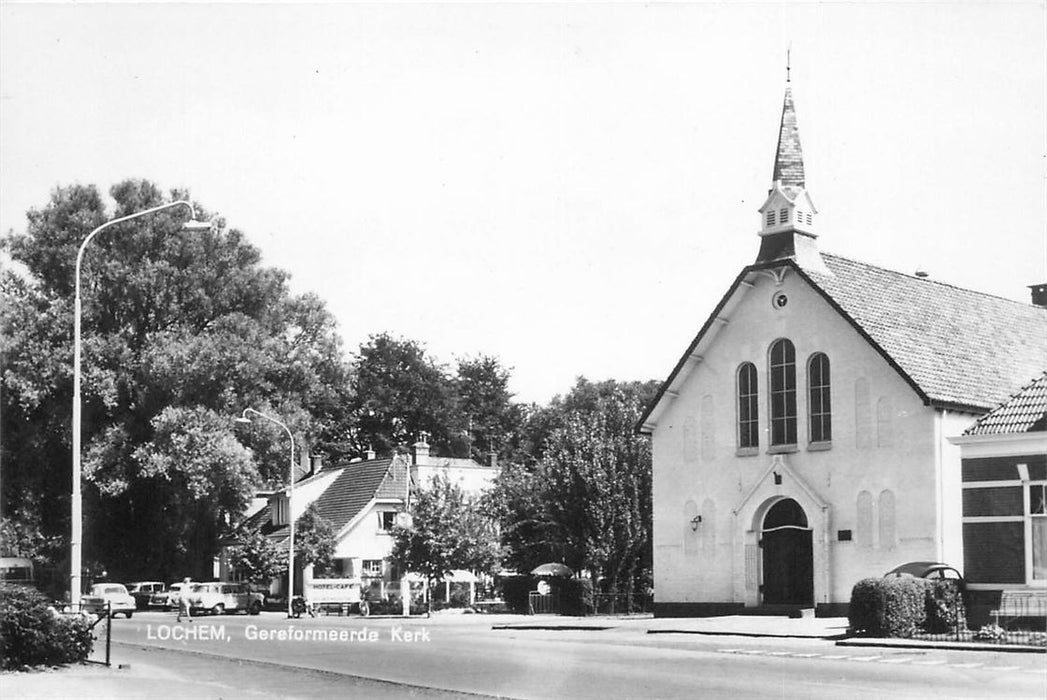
939 486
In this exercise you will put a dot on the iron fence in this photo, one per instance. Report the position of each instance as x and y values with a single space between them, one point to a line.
621 603
1010 618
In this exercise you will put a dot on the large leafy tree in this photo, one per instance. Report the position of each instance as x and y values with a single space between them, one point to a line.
401 392
586 500
181 331
487 417
448 531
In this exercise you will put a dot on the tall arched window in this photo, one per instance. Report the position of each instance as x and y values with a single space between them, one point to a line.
748 411
819 404
783 393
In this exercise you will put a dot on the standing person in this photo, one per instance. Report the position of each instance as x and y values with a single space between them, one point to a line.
183 601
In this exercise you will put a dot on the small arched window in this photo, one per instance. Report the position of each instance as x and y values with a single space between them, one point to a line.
748 406
783 393
819 402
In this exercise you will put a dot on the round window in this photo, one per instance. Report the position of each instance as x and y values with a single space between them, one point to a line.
779 300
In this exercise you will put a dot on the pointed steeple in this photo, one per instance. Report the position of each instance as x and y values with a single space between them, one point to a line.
788 160
788 215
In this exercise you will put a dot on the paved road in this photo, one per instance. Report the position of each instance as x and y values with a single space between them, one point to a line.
463 654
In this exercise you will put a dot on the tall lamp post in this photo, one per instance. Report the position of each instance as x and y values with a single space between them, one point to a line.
76 536
244 420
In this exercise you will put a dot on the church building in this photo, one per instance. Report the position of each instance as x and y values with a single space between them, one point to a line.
802 441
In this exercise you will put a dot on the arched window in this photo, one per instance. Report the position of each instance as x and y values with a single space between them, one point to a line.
748 411
783 393
819 404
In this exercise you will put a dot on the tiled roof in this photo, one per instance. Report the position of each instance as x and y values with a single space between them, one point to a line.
1025 412
350 492
788 159
958 347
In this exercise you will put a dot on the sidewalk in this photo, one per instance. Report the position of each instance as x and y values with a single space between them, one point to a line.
735 625
769 626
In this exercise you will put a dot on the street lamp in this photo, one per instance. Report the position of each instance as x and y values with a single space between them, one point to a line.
244 420
75 544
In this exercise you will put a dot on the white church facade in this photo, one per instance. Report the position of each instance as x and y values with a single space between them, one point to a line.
801 442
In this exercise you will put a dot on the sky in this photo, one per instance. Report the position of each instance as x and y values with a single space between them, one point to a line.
568 187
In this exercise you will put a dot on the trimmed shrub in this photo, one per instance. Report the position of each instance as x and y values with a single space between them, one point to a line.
576 595
515 590
889 607
32 633
945 608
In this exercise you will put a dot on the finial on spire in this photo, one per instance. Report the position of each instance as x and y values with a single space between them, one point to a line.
788 61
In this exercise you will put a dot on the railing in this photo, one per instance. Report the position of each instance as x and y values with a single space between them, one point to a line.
1018 618
543 604
98 630
621 603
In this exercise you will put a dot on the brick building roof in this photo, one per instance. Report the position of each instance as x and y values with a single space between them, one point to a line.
1024 412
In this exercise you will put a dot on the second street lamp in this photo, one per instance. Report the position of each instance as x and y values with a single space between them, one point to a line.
290 504
77 525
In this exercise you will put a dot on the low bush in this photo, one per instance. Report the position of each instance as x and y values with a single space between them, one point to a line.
515 590
32 633
945 609
576 595
889 607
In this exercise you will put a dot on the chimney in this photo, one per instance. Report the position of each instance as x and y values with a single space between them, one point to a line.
304 466
421 450
1039 295
370 453
494 459
318 463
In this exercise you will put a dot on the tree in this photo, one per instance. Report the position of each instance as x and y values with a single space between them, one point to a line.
486 414
314 539
587 499
399 392
257 558
447 532
181 331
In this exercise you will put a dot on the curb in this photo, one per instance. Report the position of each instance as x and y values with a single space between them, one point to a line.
554 628
771 635
950 646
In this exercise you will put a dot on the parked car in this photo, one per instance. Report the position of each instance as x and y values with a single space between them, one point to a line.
113 594
934 570
168 599
143 592
219 597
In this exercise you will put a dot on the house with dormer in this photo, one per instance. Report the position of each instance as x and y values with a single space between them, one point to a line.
801 442
363 499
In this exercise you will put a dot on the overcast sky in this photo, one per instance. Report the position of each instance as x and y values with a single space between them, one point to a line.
570 188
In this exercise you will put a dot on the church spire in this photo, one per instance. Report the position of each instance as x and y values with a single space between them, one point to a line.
788 160
787 217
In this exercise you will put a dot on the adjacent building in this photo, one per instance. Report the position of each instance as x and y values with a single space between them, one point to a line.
363 500
801 442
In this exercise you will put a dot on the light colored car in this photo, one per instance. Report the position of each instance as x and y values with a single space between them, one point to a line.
220 597
111 596
168 599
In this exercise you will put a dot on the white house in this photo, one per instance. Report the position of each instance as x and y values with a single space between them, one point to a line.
801 442
362 500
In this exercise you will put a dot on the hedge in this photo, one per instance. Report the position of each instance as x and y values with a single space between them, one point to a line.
32 632
901 606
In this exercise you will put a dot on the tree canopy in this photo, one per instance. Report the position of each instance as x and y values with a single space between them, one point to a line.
180 332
